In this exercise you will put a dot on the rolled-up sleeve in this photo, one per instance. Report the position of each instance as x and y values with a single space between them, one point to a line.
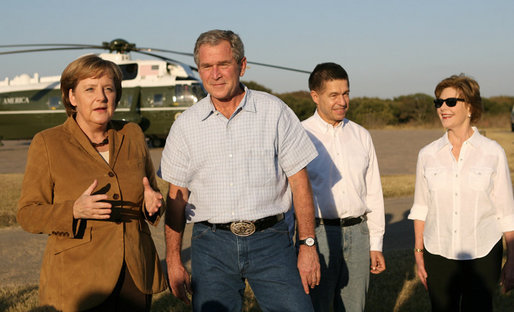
295 149
175 157
502 194
419 209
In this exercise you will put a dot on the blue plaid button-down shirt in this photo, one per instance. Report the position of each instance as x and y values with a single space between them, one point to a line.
237 168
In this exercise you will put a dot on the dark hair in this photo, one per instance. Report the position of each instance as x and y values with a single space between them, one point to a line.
326 72
215 37
468 89
89 66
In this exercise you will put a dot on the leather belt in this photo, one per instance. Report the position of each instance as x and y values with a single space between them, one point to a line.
246 228
341 222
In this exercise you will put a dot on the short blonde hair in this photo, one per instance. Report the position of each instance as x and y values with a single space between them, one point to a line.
89 66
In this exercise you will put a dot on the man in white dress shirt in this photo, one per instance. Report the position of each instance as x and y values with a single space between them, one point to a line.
347 194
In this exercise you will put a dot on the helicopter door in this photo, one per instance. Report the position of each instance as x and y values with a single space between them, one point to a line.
128 108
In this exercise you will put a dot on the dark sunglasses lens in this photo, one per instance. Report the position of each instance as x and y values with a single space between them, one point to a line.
438 103
451 102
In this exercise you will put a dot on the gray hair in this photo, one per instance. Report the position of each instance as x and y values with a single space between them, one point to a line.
214 37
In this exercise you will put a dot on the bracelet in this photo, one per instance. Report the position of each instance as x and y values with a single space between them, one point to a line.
419 250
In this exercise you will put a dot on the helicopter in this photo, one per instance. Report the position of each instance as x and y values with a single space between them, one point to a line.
155 92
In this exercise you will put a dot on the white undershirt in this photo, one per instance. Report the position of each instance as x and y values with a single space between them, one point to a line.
105 155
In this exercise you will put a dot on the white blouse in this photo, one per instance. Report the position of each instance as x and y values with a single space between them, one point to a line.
467 203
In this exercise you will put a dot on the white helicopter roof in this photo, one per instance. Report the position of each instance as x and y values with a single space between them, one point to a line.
146 73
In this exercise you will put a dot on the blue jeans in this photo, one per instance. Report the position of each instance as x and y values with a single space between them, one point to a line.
345 265
221 261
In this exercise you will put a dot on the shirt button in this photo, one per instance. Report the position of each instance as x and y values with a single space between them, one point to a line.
231 184
456 194
230 155
456 175
115 196
111 174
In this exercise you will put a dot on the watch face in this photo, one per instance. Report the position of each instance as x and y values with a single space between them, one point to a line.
309 241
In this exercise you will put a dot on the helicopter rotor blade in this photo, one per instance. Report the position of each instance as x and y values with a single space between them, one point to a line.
49 49
123 46
249 62
63 45
166 51
280 67
164 58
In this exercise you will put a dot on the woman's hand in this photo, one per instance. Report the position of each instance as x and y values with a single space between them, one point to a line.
507 276
89 206
153 199
420 268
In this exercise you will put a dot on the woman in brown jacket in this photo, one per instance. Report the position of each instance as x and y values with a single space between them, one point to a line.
89 184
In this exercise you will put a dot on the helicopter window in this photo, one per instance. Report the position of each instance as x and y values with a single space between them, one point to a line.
158 99
125 101
188 94
54 102
129 71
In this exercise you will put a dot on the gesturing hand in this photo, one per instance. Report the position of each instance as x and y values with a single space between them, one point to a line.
153 199
89 206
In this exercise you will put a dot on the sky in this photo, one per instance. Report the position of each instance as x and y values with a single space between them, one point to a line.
389 48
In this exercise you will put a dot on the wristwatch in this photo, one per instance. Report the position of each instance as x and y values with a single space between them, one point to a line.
309 241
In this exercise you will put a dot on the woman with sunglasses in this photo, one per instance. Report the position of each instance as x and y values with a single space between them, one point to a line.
463 206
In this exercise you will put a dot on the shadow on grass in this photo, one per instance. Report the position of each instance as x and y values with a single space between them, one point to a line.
396 289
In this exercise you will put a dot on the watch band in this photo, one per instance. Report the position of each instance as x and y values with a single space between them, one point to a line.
309 241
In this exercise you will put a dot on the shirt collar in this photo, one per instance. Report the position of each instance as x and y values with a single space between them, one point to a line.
246 104
474 139
325 126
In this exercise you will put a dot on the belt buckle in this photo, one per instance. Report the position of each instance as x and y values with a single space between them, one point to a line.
242 228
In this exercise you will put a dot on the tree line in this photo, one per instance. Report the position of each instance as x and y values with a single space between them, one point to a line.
373 112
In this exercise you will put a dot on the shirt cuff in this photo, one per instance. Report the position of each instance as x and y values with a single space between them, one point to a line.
418 213
376 243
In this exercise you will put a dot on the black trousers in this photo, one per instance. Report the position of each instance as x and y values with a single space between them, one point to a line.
125 296
463 285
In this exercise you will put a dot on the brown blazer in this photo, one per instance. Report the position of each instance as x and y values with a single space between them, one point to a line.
83 258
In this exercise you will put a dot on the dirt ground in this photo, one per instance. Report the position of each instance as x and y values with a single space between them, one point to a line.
21 252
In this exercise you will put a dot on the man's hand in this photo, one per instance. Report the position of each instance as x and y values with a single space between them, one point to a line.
179 281
377 262
308 266
89 206
153 199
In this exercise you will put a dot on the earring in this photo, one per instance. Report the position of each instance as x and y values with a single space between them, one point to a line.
469 115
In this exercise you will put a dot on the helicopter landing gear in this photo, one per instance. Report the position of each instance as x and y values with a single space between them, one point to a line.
157 142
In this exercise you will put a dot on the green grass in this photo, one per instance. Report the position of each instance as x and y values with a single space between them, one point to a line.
10 189
398 185
396 289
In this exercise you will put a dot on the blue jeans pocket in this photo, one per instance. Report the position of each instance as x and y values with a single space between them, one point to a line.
199 230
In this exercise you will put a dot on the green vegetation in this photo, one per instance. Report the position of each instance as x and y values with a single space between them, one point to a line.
10 189
412 110
397 289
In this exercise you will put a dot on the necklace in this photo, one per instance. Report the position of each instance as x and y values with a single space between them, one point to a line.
104 142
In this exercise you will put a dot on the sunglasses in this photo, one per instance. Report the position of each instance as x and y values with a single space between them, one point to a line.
450 102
